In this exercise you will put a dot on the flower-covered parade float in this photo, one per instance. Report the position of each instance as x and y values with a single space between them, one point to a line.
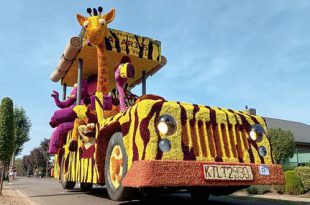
104 134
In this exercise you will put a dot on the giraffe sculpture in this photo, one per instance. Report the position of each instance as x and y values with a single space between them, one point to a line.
96 29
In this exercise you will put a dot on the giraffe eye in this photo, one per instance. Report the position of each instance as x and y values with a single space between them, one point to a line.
102 21
86 24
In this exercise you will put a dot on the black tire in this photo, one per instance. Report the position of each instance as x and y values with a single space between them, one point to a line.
118 193
86 187
63 181
200 195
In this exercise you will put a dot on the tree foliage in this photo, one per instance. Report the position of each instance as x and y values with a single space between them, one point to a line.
44 146
18 165
27 163
6 135
38 157
283 144
7 142
22 128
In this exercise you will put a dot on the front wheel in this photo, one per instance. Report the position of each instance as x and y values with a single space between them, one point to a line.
116 168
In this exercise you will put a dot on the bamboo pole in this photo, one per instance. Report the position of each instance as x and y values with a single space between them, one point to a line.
143 82
79 81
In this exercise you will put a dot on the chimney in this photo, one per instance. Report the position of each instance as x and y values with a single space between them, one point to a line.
250 111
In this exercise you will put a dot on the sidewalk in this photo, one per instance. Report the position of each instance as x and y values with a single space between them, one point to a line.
273 196
13 197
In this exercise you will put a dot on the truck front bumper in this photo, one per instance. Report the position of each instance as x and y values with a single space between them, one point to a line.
160 173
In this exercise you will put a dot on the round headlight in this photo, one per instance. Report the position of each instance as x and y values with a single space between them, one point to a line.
262 151
257 133
166 125
164 145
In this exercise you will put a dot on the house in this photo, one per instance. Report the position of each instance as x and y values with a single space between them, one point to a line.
301 132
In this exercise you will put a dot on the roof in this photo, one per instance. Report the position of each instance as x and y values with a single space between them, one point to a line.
145 54
301 131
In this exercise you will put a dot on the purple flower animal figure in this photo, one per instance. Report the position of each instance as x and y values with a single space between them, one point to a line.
66 114
59 136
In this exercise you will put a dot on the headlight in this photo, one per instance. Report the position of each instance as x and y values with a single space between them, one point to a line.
257 133
166 125
262 151
164 145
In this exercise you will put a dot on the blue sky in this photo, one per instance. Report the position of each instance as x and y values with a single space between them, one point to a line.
220 53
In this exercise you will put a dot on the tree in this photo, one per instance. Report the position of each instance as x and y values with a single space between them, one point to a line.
37 158
27 164
282 144
22 125
18 165
44 146
7 142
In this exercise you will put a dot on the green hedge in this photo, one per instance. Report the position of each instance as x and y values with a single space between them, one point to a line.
293 184
288 167
259 189
280 189
303 174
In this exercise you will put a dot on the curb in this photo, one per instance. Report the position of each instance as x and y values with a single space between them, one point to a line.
275 197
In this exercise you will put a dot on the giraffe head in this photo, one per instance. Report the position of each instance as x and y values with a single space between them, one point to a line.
96 24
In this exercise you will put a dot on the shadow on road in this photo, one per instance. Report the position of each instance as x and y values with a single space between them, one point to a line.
67 193
99 192
184 198
172 199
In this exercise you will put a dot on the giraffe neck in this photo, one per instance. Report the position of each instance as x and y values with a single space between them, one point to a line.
103 78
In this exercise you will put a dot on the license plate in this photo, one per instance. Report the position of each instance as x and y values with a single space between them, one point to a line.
263 170
227 172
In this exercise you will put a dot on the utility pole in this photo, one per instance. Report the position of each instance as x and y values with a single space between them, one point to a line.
46 169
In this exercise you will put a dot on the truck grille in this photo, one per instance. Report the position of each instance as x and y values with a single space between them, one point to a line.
217 141
221 142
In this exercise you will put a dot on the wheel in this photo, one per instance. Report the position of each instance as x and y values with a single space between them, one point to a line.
63 179
199 194
116 168
85 187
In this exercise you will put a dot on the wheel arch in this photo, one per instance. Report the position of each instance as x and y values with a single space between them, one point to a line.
103 139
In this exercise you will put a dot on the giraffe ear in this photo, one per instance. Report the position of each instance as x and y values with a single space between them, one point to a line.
81 19
109 16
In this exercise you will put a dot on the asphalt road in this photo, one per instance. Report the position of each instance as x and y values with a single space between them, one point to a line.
49 192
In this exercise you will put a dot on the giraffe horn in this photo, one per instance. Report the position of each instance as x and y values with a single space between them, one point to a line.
95 12
89 11
100 10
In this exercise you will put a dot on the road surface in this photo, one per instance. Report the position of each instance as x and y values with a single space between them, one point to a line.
49 192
